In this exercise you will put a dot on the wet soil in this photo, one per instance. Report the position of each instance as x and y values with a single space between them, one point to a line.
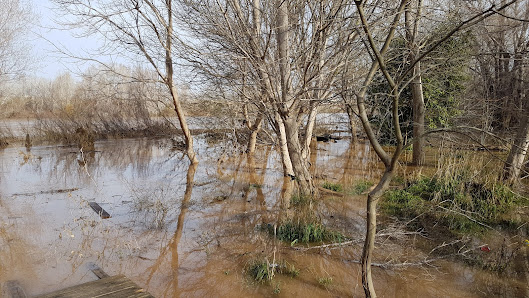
190 232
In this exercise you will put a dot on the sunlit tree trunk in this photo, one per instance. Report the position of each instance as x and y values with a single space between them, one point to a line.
515 159
309 130
254 129
290 115
299 164
390 162
288 170
170 84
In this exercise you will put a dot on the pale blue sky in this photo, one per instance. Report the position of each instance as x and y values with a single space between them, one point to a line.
49 62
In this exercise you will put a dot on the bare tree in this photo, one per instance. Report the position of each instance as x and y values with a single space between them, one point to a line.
141 29
280 57
14 24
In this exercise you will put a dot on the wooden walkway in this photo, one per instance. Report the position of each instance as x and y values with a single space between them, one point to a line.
106 286
109 287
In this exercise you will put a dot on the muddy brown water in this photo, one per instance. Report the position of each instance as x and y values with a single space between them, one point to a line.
186 232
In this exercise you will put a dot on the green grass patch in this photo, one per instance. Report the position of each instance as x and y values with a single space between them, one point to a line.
360 187
326 282
337 187
462 206
305 232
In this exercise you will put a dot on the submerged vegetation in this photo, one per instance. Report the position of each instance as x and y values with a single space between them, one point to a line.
262 270
337 187
304 232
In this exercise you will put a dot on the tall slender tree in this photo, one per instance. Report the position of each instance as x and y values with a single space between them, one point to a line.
139 29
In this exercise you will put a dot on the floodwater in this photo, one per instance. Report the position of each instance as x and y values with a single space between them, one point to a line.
181 231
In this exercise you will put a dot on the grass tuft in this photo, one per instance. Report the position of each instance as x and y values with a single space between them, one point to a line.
305 232
326 282
337 187
261 270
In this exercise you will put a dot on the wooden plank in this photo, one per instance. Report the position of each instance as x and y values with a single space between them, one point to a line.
95 206
97 271
14 289
110 287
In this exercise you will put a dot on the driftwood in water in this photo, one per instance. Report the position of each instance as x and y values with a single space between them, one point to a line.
97 271
95 206
327 137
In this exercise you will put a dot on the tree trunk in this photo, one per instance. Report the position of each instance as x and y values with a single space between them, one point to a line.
183 124
299 164
514 163
288 170
254 130
369 243
172 89
352 124
252 141
418 116
309 129
418 110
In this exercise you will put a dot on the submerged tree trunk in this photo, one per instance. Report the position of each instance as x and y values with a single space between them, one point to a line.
299 164
175 241
352 124
288 170
254 130
253 137
514 164
309 129
369 243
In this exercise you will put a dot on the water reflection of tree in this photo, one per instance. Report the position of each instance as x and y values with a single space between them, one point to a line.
241 173
172 247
